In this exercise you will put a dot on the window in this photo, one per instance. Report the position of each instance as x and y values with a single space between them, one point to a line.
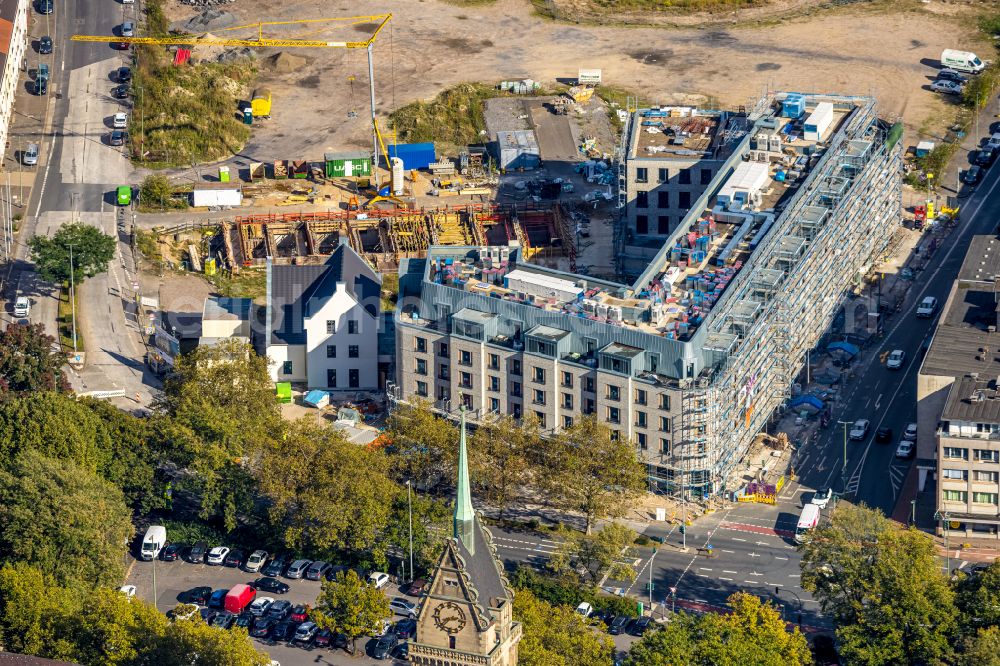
588 385
614 393
567 379
567 422
352 351
494 404
352 327
331 351
443 372
990 477
465 357
614 435
515 389
541 418
421 344
982 455
662 175
663 224
955 496
286 368
421 366
641 224
515 411
588 406
955 474
331 327
984 498
641 438
614 415
422 389
538 375
684 178
354 378
494 383
642 175
706 176
664 424
665 401
567 401
465 379
684 200
467 401
642 199
539 397
443 349
663 199
444 393
640 397
331 378
451 642
640 419
494 362
515 367
665 446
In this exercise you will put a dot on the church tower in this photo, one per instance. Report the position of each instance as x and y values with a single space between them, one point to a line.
466 618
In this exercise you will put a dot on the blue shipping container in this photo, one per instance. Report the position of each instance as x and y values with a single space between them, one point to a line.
414 155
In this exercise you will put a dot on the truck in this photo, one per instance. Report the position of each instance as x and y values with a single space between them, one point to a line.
153 542
962 61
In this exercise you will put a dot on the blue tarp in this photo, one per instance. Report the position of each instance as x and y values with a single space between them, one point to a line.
316 398
845 347
807 401
414 155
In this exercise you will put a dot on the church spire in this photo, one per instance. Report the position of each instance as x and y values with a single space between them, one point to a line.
465 515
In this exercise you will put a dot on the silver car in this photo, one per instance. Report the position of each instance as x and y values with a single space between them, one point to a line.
256 560
31 155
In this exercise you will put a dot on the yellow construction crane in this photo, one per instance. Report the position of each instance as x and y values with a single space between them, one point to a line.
262 42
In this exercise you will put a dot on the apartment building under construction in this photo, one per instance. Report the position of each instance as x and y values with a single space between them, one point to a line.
693 357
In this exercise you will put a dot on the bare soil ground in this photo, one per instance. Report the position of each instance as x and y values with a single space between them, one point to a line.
429 46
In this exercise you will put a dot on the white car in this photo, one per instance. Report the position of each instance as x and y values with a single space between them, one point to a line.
260 605
927 307
911 432
905 449
120 120
255 561
401 606
821 497
896 358
127 590
948 87
585 609
22 306
859 429
217 555
378 579
381 628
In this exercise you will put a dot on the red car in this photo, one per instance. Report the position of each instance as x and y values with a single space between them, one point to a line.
300 613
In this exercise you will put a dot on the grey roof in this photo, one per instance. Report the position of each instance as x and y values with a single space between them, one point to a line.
219 308
351 155
548 332
291 288
483 569
982 261
973 399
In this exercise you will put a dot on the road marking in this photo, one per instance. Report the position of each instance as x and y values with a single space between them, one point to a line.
727 571
704 569
761 543
794 575
776 584
878 400
727 551
703 575
750 582
754 573
754 555
780 557
701 601
724 578
738 539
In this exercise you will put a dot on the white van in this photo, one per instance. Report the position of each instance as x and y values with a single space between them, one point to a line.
808 519
22 306
153 542
963 61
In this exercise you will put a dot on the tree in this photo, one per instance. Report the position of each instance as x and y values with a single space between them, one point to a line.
63 519
978 597
325 492
557 635
589 471
156 191
501 454
199 643
981 648
424 446
34 613
431 525
29 361
753 633
882 586
92 249
349 606
596 555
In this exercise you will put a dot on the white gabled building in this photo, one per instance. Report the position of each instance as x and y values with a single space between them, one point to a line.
322 323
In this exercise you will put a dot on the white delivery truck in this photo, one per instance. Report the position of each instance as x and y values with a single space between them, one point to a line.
963 61
153 542
808 519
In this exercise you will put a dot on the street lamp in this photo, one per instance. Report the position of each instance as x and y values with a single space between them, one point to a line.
409 504
943 517
777 592
72 296
913 511
843 471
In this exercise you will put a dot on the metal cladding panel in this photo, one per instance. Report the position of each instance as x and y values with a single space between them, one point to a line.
414 155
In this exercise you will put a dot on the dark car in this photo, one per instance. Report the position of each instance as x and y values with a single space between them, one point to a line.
323 638
883 435
218 599
617 625
199 595
342 642
234 558
603 615
244 620
223 620
984 158
117 137
262 627
405 628
44 6
639 626
208 614
279 610
300 613
331 573
172 552
197 553
45 45
972 175
124 74
283 631
401 652
950 75
120 92
383 646
317 570
41 86
417 587
269 584
276 566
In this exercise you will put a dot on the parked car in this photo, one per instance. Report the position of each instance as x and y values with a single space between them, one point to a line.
383 646
305 633
172 552
199 595
120 92
821 497
297 568
584 609
31 155
275 567
234 558
44 6
405 628
217 555
972 175
283 631
617 625
117 137
262 627
401 606
895 360
256 561
223 620
45 45
300 613
273 585
260 605
41 86
280 609
401 652
947 87
378 579
911 432
317 570
124 75
984 158
905 449
244 621
323 639
127 590
218 598
207 614
128 29
948 74
239 597
120 120
927 307
883 435
417 587
197 553
640 626
859 429
331 573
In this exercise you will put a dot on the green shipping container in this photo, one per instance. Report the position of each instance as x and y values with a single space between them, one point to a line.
348 165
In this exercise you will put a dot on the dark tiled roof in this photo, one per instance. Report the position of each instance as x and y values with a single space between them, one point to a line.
484 569
973 399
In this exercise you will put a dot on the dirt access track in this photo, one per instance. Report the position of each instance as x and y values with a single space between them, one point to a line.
429 46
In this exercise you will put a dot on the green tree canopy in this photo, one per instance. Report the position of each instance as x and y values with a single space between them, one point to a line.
501 453
63 519
978 597
981 648
29 361
882 586
424 447
92 249
431 524
350 606
557 635
753 633
595 555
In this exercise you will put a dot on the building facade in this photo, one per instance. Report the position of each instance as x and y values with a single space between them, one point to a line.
691 359
13 42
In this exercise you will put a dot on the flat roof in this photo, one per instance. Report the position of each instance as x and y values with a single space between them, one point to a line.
974 400
548 333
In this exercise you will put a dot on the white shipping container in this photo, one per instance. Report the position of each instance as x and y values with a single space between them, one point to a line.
217 197
542 285
818 122
590 77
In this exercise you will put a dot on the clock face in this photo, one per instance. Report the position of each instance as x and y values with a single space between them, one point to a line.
449 617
